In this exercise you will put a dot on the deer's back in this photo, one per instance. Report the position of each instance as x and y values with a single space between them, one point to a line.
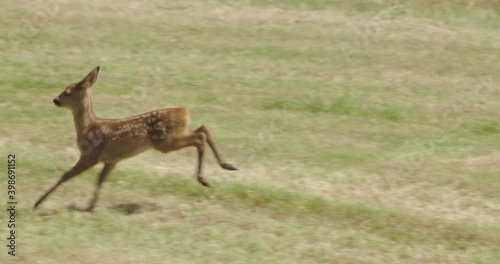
127 137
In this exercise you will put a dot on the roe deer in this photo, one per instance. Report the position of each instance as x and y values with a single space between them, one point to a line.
111 140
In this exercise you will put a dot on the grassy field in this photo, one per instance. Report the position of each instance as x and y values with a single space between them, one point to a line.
364 131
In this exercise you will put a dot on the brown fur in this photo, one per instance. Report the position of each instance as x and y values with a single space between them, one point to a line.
112 140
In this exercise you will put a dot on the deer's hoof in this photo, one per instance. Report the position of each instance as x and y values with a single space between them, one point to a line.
228 166
204 183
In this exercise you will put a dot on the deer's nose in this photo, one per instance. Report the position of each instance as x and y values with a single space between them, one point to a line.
56 101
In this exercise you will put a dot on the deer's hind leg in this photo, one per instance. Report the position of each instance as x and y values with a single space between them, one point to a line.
211 142
196 139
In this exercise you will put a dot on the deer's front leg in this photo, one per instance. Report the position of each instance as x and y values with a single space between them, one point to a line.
81 166
108 167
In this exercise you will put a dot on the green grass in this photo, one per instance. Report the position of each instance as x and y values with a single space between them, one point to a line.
364 131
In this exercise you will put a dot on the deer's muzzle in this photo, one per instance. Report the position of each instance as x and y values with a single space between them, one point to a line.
56 101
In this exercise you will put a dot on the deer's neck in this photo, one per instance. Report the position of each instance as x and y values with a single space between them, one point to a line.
83 115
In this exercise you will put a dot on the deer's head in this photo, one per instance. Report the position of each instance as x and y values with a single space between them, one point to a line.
73 95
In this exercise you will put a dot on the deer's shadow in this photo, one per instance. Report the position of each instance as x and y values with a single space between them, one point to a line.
73 207
127 208
134 208
124 208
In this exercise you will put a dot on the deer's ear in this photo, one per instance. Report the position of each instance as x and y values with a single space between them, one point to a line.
89 80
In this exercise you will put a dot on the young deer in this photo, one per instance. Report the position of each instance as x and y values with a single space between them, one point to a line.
112 140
